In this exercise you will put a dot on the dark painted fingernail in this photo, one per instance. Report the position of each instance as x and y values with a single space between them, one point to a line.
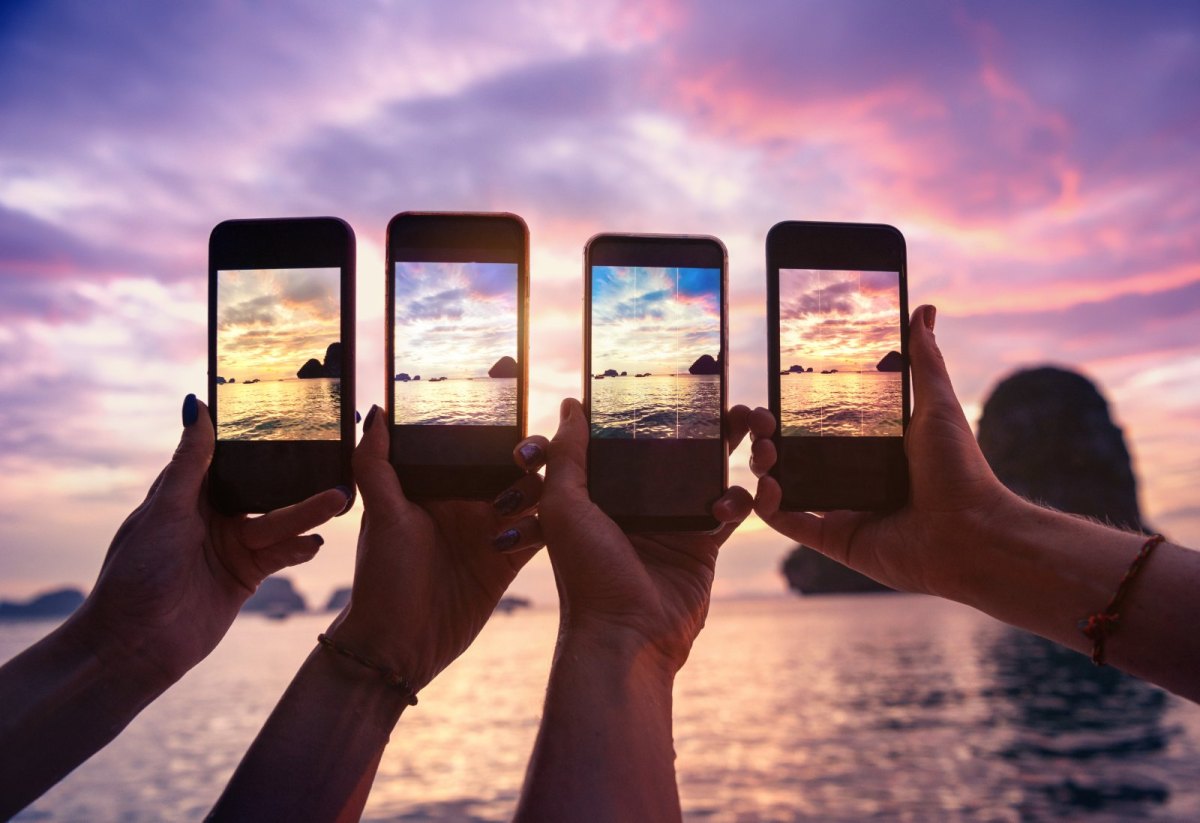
349 499
506 540
508 502
930 317
320 540
357 416
532 456
191 410
370 418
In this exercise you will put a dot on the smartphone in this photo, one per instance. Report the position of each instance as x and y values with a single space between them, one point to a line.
655 379
457 351
837 332
280 360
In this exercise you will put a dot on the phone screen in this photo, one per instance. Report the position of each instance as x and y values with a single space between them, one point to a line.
279 354
455 361
841 369
655 393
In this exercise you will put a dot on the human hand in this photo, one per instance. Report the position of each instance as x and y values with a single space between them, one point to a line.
428 575
177 572
648 590
954 494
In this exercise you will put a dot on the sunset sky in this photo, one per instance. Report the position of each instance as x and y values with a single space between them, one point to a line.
270 322
454 319
1041 160
845 320
654 320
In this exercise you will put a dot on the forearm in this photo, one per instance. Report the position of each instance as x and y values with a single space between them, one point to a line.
1045 571
316 756
604 750
64 699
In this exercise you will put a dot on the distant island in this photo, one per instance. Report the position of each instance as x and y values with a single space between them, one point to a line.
332 367
504 367
276 598
797 369
893 361
706 364
57 603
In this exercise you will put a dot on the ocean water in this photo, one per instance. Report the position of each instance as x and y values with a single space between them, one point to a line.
485 401
683 406
845 404
836 708
280 410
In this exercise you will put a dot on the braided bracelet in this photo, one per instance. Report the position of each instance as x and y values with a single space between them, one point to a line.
1103 623
396 681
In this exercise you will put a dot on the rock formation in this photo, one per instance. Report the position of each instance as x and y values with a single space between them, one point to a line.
403 377
705 364
797 369
610 372
332 367
275 597
338 600
893 361
56 603
1048 436
504 367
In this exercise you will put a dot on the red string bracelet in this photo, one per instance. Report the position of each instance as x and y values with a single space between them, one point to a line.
1103 623
393 679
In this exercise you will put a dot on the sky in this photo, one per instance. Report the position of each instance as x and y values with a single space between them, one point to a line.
270 322
1041 161
844 320
454 320
654 320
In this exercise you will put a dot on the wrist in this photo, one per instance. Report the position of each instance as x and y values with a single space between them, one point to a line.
124 655
620 653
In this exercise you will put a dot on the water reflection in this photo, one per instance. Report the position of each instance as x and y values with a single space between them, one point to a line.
1075 729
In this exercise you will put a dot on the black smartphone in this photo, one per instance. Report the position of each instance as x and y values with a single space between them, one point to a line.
457 351
837 333
280 360
654 379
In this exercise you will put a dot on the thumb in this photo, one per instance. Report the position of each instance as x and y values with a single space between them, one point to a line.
566 464
931 381
182 477
373 471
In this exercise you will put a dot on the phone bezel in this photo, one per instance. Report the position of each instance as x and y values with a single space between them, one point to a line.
261 475
457 237
657 250
798 244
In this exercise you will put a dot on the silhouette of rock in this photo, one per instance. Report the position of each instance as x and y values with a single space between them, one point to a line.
797 369
511 602
810 572
808 370
232 380
333 360
332 367
275 597
338 600
1048 436
56 603
220 381
624 374
610 372
403 377
416 377
892 361
504 367
705 364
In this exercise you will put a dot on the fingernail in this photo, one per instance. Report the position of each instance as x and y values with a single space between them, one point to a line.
370 418
564 410
532 456
349 499
930 317
508 502
319 540
506 540
357 416
191 410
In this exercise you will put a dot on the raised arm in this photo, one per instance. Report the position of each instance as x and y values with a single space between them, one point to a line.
426 580
173 580
631 607
964 536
